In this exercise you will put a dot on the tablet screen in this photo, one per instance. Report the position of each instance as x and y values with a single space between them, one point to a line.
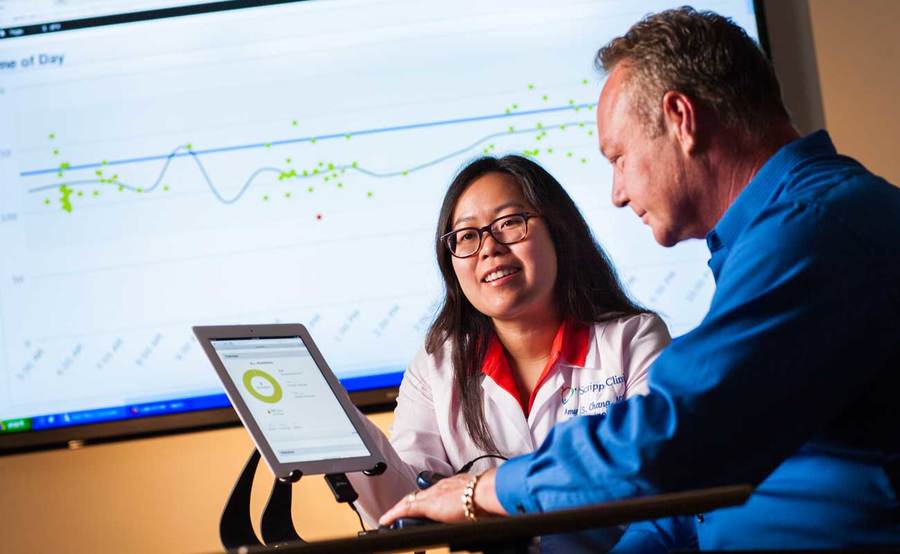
289 399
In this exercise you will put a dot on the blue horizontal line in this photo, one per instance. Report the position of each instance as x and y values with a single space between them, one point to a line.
410 126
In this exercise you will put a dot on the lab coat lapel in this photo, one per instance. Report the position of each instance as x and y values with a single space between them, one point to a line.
507 408
547 395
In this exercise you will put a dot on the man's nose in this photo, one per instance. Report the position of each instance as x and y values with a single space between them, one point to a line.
619 198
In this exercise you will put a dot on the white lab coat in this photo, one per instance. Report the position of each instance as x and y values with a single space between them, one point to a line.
429 432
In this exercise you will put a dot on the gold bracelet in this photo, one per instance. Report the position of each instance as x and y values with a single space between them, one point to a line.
468 498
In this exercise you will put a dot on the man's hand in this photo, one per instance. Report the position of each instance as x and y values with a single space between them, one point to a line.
443 501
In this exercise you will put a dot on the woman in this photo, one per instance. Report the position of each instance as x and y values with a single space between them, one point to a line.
535 329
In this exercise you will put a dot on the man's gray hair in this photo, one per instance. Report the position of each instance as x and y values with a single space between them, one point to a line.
705 56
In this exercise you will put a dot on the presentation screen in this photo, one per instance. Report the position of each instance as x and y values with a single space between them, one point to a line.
172 164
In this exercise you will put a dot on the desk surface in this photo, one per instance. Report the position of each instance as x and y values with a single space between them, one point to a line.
477 535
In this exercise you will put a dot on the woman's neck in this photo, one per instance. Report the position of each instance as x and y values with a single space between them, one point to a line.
527 344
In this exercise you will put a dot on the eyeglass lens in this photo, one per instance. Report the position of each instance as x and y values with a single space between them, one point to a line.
506 230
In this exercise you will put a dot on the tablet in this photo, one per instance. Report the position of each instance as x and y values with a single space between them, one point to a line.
297 412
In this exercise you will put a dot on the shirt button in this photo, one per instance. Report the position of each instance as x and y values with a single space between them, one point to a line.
700 518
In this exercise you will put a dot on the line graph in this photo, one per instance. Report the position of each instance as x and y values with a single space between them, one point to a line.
286 173
342 135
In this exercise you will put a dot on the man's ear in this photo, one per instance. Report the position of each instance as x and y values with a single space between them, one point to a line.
680 118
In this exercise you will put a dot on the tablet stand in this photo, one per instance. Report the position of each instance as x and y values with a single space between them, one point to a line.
277 525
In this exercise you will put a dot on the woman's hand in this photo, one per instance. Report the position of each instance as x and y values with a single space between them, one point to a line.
443 501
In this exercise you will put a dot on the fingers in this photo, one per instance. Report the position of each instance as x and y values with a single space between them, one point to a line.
404 508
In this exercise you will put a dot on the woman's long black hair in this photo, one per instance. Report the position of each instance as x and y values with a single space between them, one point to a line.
587 288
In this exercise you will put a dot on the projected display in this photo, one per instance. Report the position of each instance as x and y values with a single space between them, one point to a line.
284 163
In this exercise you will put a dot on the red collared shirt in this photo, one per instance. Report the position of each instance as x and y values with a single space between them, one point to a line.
569 346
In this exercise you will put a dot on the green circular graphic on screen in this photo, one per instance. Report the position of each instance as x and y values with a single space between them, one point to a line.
273 396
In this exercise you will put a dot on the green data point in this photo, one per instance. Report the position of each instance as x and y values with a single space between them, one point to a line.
265 197
189 146
47 201
310 189
549 150
121 188
104 162
330 167
507 111
348 136
584 81
545 98
511 129
581 125
340 185
166 188
369 194
590 133
287 194
267 145
354 165
139 189
530 86
571 101
80 193
327 178
540 125
405 173
305 173
562 127
515 106
98 173
95 193
294 123
287 160
313 141
320 164
584 160
65 200
315 172
568 154
51 136
56 151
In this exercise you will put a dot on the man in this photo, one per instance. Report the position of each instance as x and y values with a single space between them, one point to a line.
789 381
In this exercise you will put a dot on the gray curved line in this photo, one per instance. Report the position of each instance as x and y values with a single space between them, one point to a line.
261 170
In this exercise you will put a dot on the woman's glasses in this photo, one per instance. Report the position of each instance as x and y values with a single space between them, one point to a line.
508 229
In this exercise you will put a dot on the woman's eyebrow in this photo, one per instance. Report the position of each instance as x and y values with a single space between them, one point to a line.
514 204
498 209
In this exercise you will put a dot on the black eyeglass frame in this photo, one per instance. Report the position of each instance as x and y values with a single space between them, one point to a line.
487 229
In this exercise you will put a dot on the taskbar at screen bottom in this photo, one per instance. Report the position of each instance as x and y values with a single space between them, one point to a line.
377 389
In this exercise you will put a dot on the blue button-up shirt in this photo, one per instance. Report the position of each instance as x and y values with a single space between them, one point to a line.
789 383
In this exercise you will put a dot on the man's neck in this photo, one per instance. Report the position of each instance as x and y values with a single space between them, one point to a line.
736 162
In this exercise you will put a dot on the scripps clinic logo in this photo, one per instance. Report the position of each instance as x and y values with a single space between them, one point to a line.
566 393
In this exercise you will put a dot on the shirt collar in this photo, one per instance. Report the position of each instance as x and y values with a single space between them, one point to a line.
764 185
570 345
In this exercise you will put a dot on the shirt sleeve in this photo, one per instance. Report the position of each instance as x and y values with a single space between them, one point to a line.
787 344
415 445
